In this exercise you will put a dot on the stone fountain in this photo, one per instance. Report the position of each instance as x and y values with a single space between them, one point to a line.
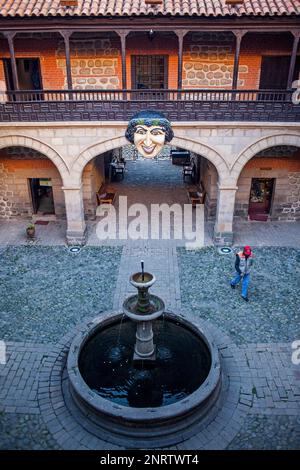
144 374
143 308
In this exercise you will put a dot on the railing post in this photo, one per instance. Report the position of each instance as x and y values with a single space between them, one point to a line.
122 34
180 33
296 35
10 38
238 36
66 35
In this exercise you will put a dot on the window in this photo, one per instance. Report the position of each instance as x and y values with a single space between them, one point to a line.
149 72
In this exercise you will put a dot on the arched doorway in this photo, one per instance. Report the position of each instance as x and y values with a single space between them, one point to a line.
31 184
152 182
269 185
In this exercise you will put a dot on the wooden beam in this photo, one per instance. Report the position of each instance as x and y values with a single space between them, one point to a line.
123 34
180 33
238 36
10 38
95 24
66 35
296 35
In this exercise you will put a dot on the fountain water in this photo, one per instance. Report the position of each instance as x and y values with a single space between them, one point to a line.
141 391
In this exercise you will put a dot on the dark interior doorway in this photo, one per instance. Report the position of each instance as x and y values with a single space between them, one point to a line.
29 74
149 72
260 201
274 72
42 196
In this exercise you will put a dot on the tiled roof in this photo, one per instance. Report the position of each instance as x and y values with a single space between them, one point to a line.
26 8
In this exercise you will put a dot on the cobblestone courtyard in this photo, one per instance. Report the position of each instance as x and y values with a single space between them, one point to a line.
47 291
40 308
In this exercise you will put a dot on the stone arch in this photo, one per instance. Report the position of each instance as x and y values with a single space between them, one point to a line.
258 146
32 143
187 144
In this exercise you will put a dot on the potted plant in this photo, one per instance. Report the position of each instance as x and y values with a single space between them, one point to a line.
30 231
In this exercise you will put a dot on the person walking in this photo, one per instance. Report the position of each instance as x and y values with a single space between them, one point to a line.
243 265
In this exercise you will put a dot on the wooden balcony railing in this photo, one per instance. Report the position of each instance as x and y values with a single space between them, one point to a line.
120 105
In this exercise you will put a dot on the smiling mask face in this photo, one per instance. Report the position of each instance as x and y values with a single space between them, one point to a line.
149 140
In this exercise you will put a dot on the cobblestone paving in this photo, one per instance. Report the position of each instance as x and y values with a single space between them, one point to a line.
160 259
273 312
23 432
268 433
46 290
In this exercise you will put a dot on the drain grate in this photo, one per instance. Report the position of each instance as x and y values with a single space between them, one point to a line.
225 250
75 249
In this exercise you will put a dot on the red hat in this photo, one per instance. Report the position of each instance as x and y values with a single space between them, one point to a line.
247 250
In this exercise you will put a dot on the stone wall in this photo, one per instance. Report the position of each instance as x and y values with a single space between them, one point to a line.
286 192
6 182
129 152
209 179
208 61
92 179
94 63
290 210
22 153
15 197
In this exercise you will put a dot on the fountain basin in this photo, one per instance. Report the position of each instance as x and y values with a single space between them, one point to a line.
171 422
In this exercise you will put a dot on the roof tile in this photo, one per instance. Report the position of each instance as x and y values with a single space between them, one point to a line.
26 8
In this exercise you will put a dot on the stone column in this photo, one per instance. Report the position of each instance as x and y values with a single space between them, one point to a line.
76 228
223 232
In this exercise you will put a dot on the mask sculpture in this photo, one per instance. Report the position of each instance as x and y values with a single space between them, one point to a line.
149 131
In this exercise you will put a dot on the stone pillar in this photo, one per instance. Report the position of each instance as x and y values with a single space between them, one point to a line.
76 228
223 232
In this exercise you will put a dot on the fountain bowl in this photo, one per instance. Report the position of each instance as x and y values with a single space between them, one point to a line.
143 427
137 280
157 308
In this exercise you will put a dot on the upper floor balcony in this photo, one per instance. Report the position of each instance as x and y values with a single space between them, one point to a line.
177 105
70 75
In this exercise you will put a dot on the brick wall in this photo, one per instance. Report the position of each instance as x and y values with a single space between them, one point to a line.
96 61
159 45
41 48
286 196
15 197
209 57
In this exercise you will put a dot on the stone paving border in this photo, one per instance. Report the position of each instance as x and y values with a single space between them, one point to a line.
72 430
258 380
